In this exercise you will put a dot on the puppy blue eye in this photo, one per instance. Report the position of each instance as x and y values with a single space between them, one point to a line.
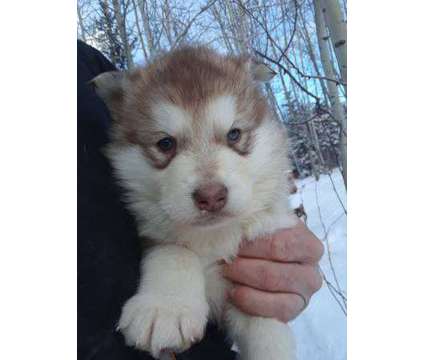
234 135
166 144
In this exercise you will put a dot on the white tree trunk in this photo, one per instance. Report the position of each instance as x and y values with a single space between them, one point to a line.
166 22
235 26
333 92
311 53
217 16
139 32
336 24
142 5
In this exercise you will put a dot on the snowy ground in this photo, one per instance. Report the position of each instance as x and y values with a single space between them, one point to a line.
321 329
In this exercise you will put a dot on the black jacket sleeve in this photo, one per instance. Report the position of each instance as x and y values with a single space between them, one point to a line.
108 253
108 246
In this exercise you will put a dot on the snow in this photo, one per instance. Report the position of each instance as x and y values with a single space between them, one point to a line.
321 329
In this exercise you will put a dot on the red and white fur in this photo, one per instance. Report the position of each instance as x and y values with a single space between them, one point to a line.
196 96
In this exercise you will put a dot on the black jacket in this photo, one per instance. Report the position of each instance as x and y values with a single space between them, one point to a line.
108 247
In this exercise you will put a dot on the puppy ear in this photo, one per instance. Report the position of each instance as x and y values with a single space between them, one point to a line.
262 72
109 87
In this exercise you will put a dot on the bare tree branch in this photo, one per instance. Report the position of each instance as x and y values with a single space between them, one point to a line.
294 29
286 71
187 28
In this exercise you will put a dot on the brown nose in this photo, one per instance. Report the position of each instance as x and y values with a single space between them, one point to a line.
211 197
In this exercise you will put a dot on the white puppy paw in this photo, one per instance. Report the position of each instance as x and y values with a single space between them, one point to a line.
155 324
260 338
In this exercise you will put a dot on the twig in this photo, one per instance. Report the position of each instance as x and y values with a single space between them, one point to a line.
335 293
307 76
330 288
325 239
294 28
337 193
286 71
283 52
313 117
187 28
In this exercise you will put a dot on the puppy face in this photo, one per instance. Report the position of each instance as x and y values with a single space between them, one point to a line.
193 142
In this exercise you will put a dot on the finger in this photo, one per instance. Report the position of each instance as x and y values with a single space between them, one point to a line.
284 307
274 277
296 244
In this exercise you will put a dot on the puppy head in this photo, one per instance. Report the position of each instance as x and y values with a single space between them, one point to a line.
193 140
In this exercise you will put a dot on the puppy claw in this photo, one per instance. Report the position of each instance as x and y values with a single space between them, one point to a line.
163 328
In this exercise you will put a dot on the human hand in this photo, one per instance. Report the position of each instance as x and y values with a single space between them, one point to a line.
275 276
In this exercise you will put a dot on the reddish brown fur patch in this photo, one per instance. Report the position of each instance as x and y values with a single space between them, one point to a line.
186 77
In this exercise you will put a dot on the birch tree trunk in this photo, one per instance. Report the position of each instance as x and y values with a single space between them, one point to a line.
139 32
217 17
333 93
312 55
333 17
242 29
293 86
110 34
142 5
234 26
271 96
167 22
120 19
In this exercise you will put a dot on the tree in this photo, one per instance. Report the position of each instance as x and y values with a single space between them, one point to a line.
109 35
309 90
337 27
333 92
120 8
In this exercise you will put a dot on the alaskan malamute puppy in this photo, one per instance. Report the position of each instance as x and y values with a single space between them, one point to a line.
203 162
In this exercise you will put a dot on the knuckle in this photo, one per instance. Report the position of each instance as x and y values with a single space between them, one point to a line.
287 311
315 250
319 249
315 281
319 281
